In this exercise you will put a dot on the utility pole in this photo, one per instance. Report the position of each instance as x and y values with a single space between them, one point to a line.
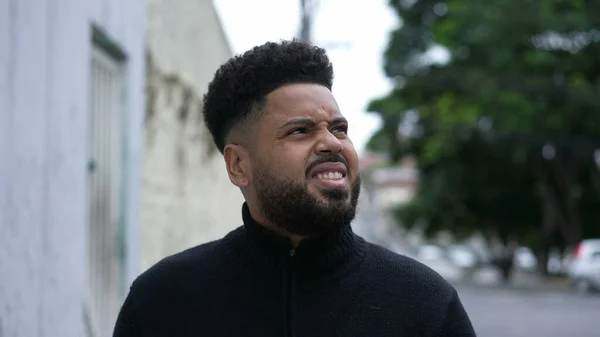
308 10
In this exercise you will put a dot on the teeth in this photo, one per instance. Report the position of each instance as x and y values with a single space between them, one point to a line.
330 175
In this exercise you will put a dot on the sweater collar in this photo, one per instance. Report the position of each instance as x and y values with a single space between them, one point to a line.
264 251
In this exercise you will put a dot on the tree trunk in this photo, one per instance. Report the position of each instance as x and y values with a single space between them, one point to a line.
506 267
505 262
560 205
542 257
565 170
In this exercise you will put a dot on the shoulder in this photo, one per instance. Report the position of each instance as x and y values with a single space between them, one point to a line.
406 275
402 284
194 265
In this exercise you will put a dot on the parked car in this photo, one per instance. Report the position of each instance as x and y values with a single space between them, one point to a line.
584 269
463 256
525 259
429 252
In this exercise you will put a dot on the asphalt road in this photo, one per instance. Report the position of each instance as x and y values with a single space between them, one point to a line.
500 312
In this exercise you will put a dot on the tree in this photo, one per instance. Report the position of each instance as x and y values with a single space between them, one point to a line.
508 126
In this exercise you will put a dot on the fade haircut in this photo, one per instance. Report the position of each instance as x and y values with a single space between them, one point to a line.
236 96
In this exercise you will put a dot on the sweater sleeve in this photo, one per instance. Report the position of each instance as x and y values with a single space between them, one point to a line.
127 324
456 322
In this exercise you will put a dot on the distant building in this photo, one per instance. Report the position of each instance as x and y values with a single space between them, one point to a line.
71 123
187 196
385 187
395 186
392 186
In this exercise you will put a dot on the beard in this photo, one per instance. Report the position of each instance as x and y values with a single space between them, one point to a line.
290 207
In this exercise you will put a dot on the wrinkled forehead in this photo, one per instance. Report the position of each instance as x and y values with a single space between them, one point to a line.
301 100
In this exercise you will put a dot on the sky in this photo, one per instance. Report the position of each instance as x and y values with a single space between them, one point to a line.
354 32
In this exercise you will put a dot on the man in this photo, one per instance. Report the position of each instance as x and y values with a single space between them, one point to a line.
294 268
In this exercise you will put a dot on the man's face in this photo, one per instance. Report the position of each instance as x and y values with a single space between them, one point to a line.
304 166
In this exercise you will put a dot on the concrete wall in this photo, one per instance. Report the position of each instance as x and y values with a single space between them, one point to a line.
188 198
44 69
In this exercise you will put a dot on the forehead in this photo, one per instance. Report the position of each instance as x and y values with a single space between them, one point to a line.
301 100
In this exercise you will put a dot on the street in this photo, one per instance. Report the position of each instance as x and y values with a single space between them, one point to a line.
501 312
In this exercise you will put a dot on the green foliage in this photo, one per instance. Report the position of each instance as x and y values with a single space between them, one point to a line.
522 74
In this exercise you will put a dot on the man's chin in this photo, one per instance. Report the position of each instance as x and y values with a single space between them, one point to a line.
332 197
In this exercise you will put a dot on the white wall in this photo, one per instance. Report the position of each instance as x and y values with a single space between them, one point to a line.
188 198
44 61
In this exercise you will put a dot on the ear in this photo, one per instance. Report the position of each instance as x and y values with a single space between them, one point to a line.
238 165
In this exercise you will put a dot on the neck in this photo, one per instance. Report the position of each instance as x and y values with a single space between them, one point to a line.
263 221
264 253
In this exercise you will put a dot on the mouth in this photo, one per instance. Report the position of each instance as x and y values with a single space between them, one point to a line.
330 175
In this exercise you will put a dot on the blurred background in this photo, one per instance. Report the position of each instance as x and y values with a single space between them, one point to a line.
477 124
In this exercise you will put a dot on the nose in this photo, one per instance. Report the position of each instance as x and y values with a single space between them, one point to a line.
328 143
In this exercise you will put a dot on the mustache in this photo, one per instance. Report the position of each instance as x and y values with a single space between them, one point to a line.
330 158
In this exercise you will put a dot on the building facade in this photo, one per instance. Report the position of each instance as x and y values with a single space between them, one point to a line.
188 198
71 133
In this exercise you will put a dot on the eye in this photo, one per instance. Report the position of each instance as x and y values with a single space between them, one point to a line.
342 128
297 131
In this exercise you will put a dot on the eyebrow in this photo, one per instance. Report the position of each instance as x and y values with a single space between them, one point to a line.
311 122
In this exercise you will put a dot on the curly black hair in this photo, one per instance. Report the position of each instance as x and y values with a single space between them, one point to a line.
240 86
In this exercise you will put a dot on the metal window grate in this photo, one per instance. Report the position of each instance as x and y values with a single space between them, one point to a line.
105 143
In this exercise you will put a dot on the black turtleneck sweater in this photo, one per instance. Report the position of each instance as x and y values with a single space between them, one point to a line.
253 283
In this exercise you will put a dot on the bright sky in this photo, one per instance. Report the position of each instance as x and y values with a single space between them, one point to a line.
361 27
